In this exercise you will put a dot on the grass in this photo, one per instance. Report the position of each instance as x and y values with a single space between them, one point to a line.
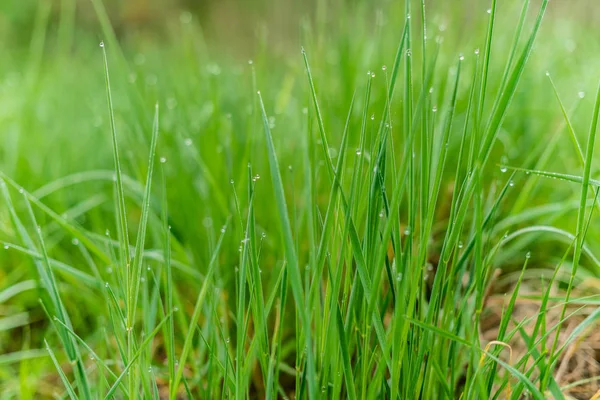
178 223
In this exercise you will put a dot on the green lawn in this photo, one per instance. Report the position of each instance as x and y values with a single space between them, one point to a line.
384 201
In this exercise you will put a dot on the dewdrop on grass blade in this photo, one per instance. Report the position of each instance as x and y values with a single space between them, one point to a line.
503 162
163 160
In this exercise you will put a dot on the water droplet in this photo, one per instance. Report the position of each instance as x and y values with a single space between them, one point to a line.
461 57
383 68
399 277
263 235
511 184
581 95
460 245
223 229
148 269
102 44
231 181
528 255
142 279
304 110
489 11
106 284
6 247
503 169
175 309
258 92
431 90
358 152
381 214
188 142
368 73
476 52
372 117
408 53
163 160
21 190
547 73
107 232
250 62
74 241
407 231
434 109
227 340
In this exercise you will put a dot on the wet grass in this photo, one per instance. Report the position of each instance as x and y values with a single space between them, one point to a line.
179 223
